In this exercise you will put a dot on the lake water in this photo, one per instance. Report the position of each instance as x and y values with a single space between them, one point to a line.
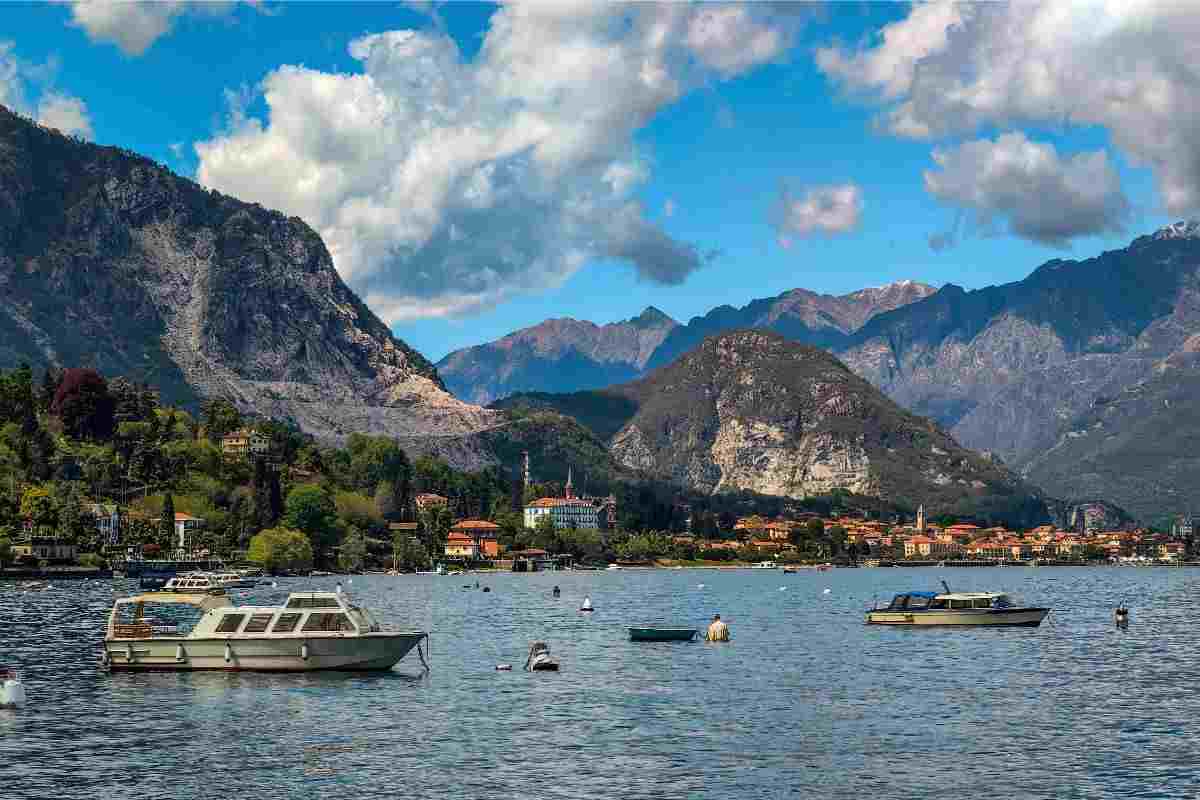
805 701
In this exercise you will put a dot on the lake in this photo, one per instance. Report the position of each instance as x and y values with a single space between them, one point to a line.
806 701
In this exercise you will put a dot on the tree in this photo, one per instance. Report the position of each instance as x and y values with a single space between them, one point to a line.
545 534
407 553
352 555
281 550
166 522
75 523
402 486
50 380
385 501
275 496
84 405
311 510
220 417
435 524
41 510
5 548
260 488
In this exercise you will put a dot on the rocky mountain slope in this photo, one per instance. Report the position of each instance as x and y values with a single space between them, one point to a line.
751 410
566 355
555 356
109 260
1008 368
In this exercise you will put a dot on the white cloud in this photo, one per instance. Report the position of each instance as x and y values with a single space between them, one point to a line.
176 149
828 210
1130 66
55 109
1043 198
66 113
134 26
442 185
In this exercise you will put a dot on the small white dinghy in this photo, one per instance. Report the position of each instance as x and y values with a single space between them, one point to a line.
12 689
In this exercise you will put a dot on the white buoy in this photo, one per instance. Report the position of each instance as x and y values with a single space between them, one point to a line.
699 585
274 585
504 667
12 690
827 591
783 588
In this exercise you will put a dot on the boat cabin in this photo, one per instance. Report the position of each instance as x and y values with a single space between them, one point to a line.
931 601
213 615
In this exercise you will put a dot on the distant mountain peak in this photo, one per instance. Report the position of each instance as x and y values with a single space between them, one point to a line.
1184 229
651 317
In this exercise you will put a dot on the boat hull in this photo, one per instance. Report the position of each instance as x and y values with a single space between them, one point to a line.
374 651
662 634
966 617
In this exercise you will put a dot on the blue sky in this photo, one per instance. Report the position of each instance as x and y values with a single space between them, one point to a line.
725 163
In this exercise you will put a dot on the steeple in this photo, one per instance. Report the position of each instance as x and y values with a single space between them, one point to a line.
570 487
921 518
525 453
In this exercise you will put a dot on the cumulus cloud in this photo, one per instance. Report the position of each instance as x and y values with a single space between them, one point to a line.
443 185
134 26
64 112
54 109
1130 66
820 210
1042 197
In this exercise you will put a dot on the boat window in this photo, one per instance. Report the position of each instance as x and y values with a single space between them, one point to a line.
327 622
313 602
960 603
1002 601
286 623
258 623
918 602
230 622
983 602
938 602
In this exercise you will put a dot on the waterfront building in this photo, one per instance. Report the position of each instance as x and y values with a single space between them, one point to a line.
45 548
473 538
108 522
186 525
563 512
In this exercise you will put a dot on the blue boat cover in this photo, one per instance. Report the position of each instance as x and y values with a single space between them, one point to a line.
929 595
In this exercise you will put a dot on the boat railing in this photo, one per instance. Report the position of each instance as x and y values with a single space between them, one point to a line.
132 630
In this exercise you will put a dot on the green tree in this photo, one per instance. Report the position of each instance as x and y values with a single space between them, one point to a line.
545 534
5 548
310 509
75 523
281 550
385 501
435 524
408 553
260 489
352 556
220 417
166 521
40 508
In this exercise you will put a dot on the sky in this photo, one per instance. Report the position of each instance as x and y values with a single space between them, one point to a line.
475 169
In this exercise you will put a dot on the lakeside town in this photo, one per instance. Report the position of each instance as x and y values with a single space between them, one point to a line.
98 475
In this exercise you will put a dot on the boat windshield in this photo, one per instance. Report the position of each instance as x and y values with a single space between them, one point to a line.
156 619
911 600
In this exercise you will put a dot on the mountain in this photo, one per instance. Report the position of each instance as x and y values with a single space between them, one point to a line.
555 356
803 316
111 261
1009 368
751 410
567 355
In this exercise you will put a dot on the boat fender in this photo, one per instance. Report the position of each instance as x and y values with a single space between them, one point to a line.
129 652
304 651
179 657
228 653
504 667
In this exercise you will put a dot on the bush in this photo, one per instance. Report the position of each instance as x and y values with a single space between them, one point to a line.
90 560
281 550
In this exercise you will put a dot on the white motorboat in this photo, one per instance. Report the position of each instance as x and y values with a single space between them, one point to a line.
311 631
612 567
539 659
203 581
12 689
765 565
956 608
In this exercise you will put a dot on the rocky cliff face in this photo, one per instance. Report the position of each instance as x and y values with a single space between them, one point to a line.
557 355
109 260
750 410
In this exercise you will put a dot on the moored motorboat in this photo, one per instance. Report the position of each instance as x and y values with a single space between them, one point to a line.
539 659
765 565
662 634
203 581
311 631
991 609
12 688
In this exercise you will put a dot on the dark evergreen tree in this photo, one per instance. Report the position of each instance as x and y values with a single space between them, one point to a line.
276 496
166 523
260 488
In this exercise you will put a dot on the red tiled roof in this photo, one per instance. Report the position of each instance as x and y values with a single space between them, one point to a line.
475 525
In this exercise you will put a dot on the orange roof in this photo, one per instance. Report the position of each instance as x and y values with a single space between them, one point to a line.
550 502
181 517
963 527
455 536
475 525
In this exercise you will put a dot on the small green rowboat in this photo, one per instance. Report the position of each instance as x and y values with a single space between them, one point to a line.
662 634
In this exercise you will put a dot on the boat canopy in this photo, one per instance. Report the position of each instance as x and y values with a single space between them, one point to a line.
927 595
209 600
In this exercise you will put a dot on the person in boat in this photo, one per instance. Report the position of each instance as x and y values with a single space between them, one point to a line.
717 631
556 591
